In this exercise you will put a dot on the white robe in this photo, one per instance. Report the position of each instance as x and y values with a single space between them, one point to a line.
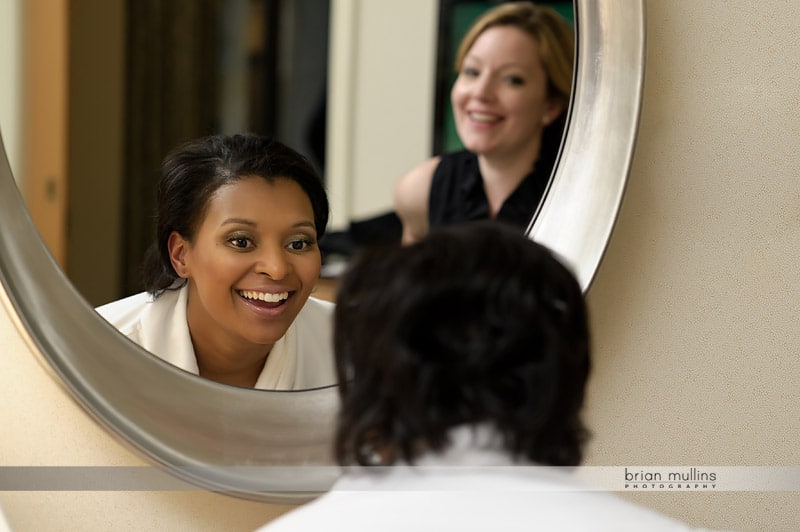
472 486
301 359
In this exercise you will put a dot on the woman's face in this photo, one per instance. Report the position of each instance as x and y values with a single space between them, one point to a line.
500 98
251 267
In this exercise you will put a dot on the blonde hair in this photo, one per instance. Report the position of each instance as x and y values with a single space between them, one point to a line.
554 35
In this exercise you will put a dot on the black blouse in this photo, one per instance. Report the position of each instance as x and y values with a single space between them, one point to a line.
457 193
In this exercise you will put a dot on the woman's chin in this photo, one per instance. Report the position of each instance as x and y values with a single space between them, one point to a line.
476 146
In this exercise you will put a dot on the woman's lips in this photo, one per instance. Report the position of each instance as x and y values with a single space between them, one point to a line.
265 300
269 297
483 118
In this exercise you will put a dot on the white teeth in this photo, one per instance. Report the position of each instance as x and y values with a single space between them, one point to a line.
483 117
264 296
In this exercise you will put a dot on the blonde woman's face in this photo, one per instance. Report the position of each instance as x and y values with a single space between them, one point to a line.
500 98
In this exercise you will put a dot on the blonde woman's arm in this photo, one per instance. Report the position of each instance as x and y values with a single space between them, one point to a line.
411 196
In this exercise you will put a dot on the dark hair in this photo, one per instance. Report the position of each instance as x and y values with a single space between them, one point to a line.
192 172
476 323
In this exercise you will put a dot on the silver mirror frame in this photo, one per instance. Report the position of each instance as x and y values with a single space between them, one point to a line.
580 209
239 441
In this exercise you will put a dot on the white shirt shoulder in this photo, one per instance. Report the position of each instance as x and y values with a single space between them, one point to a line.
301 359
472 485
125 313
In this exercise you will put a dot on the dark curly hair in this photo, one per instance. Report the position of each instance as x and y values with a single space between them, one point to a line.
474 324
193 171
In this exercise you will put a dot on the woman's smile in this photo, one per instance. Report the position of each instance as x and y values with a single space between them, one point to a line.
483 118
267 297
266 304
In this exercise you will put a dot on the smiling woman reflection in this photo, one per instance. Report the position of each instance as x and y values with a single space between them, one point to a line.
514 81
235 260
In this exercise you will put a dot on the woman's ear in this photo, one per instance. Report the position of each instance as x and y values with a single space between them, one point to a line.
552 111
178 247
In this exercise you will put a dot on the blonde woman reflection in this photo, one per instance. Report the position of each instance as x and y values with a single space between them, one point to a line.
514 80
235 260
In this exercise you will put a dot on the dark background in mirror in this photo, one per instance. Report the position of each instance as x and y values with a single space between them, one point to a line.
196 68
185 68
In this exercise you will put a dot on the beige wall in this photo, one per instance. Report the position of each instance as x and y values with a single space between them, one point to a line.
694 309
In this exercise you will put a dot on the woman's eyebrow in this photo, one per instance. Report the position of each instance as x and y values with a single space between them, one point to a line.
503 67
305 223
238 221
251 223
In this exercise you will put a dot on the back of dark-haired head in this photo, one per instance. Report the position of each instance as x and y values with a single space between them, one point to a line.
192 173
474 324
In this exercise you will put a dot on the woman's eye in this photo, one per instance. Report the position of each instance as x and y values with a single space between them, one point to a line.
240 242
300 244
515 81
470 72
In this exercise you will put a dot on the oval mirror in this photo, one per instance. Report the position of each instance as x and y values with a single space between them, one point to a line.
239 441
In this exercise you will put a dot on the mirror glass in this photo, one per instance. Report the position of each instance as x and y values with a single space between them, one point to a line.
232 439
142 77
149 76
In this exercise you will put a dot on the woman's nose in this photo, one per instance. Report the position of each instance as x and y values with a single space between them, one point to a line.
483 87
273 262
